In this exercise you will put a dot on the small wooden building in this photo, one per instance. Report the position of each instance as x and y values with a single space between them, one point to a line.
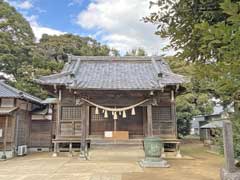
15 120
111 98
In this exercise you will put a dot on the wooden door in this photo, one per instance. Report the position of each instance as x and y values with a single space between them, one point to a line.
40 133
99 124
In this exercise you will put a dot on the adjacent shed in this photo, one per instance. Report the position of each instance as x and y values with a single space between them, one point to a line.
15 119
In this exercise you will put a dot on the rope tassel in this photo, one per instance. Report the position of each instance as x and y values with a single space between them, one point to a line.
115 116
105 114
124 114
96 110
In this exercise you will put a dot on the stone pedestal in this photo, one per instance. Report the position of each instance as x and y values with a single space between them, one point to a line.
54 154
154 163
225 175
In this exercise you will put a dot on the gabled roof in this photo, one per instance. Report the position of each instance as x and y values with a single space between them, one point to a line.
7 91
114 73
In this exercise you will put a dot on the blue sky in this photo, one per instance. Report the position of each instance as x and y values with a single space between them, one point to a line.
116 23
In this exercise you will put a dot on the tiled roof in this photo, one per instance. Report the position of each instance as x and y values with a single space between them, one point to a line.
11 92
114 73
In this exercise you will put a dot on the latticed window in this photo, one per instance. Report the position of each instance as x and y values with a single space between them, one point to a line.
162 120
71 113
70 124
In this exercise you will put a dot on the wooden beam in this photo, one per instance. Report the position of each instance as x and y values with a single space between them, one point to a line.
114 125
87 120
149 120
83 136
5 138
173 113
145 130
58 114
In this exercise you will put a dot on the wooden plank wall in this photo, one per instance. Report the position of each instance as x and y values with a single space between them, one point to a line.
23 125
40 133
10 132
163 123
70 123
162 116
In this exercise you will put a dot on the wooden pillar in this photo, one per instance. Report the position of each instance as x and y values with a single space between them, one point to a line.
58 114
115 124
83 135
149 120
56 145
13 122
70 149
55 149
87 121
5 138
145 131
173 114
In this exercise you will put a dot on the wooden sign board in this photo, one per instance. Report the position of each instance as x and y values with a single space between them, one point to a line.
116 135
108 134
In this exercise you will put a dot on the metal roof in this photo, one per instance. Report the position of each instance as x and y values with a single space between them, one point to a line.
8 91
114 73
50 101
213 124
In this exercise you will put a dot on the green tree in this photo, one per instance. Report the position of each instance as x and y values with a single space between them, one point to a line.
206 33
16 39
136 52
193 101
24 59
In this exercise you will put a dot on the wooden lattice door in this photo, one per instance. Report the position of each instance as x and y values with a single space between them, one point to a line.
70 123
99 124
162 121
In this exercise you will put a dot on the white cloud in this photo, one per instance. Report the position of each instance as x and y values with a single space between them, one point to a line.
75 2
120 24
39 30
25 5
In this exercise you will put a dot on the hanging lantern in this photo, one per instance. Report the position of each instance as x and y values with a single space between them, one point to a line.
115 116
124 114
105 114
96 110
120 113
103 111
133 111
112 113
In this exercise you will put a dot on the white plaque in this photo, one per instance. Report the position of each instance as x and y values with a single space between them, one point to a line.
1 132
108 134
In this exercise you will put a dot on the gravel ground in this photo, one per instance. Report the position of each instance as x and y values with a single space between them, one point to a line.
113 163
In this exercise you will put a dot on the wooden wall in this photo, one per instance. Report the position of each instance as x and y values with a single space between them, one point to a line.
23 127
10 132
40 133
163 112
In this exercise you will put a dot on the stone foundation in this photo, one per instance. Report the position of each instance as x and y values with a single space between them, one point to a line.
158 163
9 154
225 175
38 149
